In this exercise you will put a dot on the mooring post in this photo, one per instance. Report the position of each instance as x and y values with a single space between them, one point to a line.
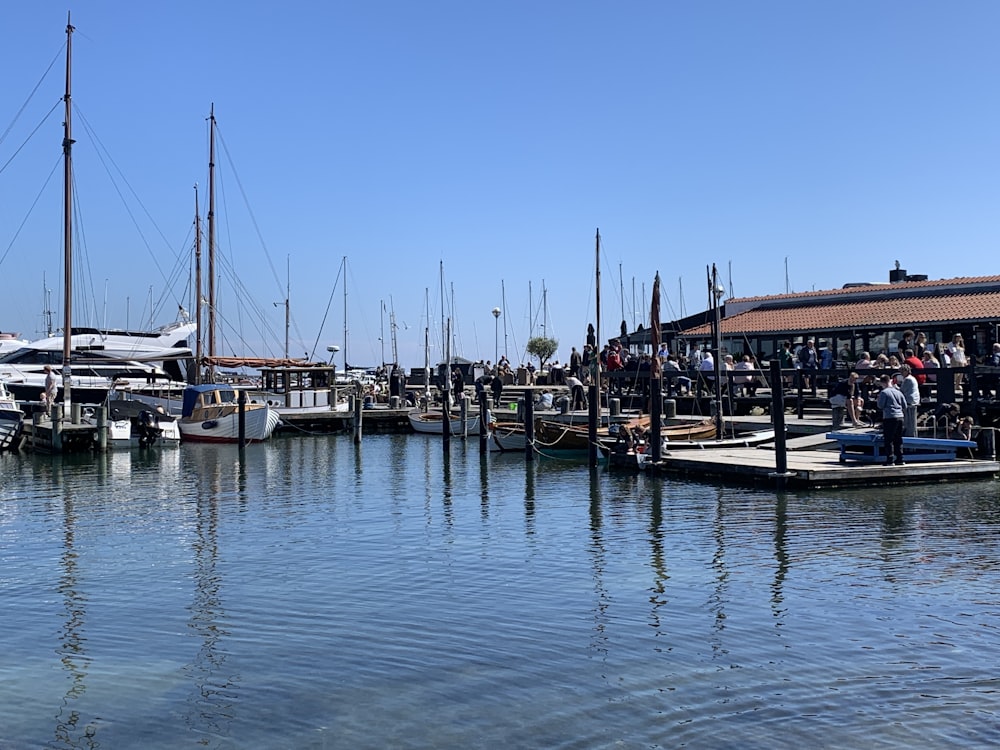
529 425
57 428
463 413
778 419
241 403
655 417
484 418
593 410
102 428
359 410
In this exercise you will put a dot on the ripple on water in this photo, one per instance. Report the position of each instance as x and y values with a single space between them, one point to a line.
315 594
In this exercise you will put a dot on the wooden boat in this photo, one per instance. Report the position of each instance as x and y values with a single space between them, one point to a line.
561 437
11 419
211 415
507 436
432 423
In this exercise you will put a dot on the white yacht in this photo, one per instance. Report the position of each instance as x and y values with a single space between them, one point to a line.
100 359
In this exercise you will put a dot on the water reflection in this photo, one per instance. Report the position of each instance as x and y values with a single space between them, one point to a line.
720 593
211 707
72 648
484 487
599 638
530 467
780 555
658 562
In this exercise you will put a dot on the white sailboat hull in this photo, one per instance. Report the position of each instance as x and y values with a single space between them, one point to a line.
259 422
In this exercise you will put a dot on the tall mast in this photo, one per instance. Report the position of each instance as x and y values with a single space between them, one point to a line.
344 262
597 298
444 329
197 290
288 299
545 309
427 345
211 243
503 301
67 370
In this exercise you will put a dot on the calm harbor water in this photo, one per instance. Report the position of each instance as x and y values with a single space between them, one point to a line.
317 595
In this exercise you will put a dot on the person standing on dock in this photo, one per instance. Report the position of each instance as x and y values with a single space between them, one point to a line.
910 389
51 386
809 361
496 386
891 402
575 363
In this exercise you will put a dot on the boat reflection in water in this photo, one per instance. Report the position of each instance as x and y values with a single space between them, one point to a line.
302 595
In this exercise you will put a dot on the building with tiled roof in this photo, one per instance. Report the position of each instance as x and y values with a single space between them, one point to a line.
856 318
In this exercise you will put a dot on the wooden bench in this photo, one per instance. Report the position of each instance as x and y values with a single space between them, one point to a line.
869 447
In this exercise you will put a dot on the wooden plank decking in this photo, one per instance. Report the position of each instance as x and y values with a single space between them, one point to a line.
814 468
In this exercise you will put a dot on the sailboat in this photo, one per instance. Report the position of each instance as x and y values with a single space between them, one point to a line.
216 412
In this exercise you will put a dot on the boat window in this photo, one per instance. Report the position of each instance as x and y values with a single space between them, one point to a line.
226 397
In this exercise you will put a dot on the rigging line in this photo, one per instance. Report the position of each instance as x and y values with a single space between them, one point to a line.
34 203
349 276
104 156
246 202
31 135
326 313
57 58
254 312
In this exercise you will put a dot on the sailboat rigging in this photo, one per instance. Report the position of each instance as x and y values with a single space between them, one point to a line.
215 412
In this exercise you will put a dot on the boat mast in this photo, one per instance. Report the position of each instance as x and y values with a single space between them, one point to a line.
597 300
197 290
545 310
211 244
344 266
444 330
392 333
503 301
67 370
427 346
381 328
287 302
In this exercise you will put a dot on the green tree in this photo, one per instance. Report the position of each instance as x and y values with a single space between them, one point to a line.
543 348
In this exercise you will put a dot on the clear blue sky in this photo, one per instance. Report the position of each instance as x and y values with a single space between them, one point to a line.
828 138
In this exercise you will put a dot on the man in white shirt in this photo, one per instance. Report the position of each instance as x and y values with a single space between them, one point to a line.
911 394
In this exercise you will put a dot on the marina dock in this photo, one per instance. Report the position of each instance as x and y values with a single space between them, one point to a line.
814 468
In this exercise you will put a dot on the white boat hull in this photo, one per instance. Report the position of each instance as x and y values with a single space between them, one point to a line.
432 423
122 436
259 423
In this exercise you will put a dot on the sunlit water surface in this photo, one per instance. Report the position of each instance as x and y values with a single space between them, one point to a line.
317 595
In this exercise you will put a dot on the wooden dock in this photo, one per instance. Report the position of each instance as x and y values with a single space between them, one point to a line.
40 435
814 468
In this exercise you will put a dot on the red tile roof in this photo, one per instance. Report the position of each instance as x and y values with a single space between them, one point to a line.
901 310
895 288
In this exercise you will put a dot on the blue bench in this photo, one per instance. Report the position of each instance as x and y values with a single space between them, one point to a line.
869 447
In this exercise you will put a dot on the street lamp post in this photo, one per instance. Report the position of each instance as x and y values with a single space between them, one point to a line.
496 335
